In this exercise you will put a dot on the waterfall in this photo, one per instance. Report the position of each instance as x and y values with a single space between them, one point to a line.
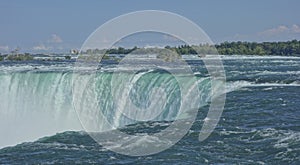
35 104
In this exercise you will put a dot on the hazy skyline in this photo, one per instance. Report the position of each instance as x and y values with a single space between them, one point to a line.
61 25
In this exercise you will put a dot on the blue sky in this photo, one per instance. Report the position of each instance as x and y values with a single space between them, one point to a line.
59 25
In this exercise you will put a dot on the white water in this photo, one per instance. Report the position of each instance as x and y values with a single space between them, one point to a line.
34 105
37 104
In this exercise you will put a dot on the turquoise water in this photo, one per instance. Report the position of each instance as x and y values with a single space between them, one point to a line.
259 125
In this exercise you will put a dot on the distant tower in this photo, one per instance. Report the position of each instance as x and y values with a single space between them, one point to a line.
15 51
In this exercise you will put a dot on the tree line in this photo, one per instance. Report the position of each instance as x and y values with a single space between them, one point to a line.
287 48
265 48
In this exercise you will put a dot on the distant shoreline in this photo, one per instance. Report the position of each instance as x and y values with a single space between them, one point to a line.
287 48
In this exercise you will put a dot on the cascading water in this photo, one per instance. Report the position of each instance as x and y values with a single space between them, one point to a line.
35 104
261 114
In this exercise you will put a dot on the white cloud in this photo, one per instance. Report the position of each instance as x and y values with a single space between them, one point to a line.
55 39
170 38
4 48
278 33
53 43
40 47
282 29
295 29
274 31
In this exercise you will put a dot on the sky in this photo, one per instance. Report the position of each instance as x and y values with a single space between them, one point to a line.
61 25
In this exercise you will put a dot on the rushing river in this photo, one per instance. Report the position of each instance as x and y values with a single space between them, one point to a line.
259 125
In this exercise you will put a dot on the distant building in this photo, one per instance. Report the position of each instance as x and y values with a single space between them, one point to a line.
74 51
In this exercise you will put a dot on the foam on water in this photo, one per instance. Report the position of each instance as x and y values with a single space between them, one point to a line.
36 104
258 126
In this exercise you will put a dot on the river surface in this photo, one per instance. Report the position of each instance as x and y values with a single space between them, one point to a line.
260 123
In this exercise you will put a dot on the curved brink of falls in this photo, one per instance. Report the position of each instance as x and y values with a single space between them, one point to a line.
36 104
